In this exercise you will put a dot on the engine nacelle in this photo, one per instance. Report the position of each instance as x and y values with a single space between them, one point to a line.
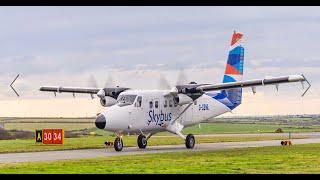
107 101
183 99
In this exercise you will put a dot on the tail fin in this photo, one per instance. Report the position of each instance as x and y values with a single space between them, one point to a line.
234 69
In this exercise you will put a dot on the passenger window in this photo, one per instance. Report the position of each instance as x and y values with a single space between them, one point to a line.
151 104
170 103
139 101
175 104
156 104
165 103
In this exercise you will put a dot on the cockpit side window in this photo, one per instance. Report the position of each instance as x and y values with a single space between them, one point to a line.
124 100
139 101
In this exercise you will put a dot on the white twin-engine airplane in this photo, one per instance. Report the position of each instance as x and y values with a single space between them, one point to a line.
147 112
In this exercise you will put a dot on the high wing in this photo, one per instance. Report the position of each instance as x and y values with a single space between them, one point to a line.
100 92
70 89
256 82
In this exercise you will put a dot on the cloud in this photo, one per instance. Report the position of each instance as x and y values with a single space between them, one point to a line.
65 45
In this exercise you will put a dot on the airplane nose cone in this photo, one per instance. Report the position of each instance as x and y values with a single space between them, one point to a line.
101 121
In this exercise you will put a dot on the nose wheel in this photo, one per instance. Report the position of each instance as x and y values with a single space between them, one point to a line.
142 141
118 144
190 141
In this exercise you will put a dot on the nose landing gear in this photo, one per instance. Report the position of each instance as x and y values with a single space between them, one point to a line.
118 144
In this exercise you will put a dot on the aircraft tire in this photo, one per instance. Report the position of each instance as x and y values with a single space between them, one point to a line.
190 141
118 144
142 141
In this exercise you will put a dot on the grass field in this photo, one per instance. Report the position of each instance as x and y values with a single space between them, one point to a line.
97 141
27 145
206 128
34 126
224 128
294 159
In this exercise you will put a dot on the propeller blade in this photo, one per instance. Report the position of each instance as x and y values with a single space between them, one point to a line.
110 82
182 78
163 82
92 82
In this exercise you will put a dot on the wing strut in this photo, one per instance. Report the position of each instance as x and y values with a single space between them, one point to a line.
182 112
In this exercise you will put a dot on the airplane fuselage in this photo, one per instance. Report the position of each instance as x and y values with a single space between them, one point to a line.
150 111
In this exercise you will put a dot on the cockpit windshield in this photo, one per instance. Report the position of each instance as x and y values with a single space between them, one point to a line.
127 99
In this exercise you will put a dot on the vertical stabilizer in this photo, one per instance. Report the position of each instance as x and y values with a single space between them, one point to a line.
234 69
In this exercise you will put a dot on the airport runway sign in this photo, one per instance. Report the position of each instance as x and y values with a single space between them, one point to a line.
50 136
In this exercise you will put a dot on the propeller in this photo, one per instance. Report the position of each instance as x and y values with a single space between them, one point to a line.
163 82
182 78
92 82
110 82
185 87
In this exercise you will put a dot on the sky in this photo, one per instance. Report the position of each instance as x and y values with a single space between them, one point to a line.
65 46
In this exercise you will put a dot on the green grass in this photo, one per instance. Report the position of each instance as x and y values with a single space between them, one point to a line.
294 159
225 128
34 126
27 145
206 128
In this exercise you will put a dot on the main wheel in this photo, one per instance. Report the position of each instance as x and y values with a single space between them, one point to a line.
142 141
118 144
190 141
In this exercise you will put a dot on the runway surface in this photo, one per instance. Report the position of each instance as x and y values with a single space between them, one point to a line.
300 134
95 153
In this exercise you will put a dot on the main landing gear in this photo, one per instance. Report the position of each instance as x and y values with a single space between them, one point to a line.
142 141
190 141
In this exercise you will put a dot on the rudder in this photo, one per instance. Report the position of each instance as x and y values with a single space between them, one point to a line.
234 69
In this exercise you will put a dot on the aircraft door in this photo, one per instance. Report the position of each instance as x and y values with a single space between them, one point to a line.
135 114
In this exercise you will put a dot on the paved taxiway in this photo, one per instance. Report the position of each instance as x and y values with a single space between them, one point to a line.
95 153
285 135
